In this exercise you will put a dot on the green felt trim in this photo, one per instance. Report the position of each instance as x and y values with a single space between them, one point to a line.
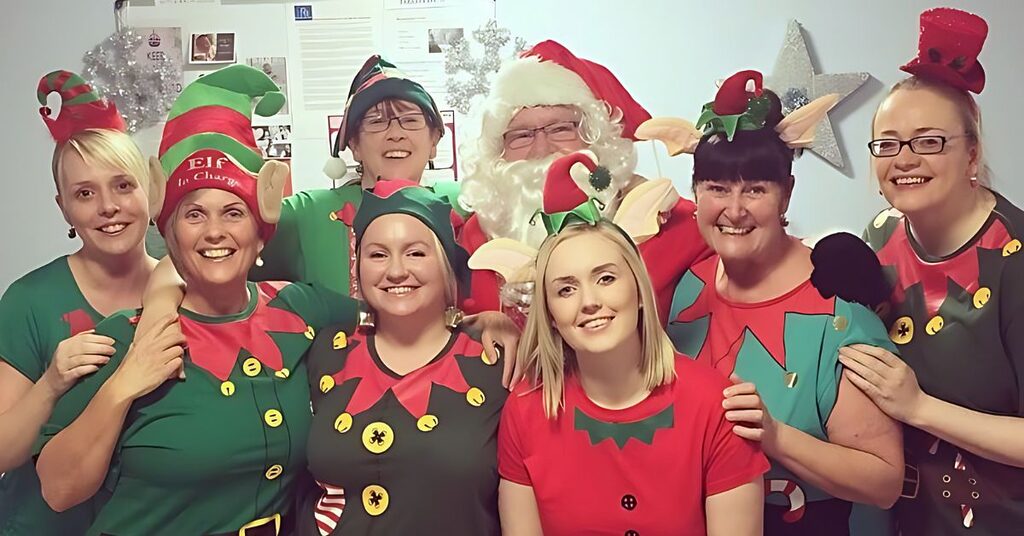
642 430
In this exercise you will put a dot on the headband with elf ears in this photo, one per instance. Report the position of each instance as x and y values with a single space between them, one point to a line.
740 104
565 204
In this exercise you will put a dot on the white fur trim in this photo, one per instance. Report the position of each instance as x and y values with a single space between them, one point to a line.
531 82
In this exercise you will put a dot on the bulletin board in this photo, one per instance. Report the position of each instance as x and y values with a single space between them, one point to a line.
312 50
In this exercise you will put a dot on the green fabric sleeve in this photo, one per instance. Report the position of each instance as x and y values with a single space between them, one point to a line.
20 346
320 306
862 326
282 255
449 190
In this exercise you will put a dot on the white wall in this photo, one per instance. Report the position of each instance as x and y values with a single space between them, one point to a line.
667 52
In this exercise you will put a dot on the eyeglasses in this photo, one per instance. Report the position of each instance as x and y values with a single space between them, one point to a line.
407 122
889 147
557 131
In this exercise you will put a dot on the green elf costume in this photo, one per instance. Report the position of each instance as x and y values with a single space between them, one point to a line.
44 307
220 452
787 346
314 244
403 454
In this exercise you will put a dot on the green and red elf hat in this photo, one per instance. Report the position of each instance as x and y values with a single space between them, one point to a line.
564 201
81 107
406 197
376 81
738 105
208 143
948 48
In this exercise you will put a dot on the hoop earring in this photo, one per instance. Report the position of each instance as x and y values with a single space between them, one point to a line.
359 169
453 317
783 221
72 233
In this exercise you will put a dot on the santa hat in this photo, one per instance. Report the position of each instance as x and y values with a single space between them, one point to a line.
81 107
406 197
208 140
550 75
948 48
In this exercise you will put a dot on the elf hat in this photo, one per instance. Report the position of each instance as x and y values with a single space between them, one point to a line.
550 75
406 197
564 201
208 143
81 107
376 81
948 48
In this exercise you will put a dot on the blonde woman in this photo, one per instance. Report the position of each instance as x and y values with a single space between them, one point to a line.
610 433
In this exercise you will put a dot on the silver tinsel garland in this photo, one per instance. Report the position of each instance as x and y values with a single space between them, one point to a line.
142 91
462 88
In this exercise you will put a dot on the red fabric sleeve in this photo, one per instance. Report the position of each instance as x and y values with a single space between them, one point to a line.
729 460
671 252
510 440
484 294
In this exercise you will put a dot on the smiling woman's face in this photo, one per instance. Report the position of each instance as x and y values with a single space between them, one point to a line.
394 153
401 271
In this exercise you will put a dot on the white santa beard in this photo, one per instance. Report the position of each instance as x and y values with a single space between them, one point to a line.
513 192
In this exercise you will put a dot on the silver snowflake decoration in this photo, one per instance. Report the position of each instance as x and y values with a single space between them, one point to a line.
142 91
796 83
468 76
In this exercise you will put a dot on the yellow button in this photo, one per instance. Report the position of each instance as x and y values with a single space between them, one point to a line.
375 499
475 397
1011 247
982 296
310 332
274 471
790 379
326 383
840 323
378 437
251 367
340 340
332 216
487 359
343 423
902 330
426 423
273 418
283 373
227 388
934 325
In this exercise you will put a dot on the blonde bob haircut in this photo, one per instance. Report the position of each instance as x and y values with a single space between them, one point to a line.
546 359
105 148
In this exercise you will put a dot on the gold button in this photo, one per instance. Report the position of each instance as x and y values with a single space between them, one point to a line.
375 499
343 423
840 323
378 437
326 383
1011 247
310 332
934 325
475 397
251 367
227 388
790 378
426 423
487 359
274 471
283 373
902 330
332 216
340 340
273 418
982 296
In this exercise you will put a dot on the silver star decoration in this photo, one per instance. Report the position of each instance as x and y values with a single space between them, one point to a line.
797 84
462 89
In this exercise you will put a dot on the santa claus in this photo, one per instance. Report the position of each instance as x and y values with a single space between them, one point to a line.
543 105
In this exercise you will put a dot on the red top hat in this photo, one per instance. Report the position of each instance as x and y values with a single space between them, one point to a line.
948 48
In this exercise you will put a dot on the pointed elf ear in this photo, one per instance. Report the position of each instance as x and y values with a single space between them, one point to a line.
797 129
678 135
638 214
156 188
511 259
270 189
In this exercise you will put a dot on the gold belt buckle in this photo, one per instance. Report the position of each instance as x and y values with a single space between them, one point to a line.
275 519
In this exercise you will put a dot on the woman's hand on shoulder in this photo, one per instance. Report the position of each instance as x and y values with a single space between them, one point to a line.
500 338
744 407
155 357
75 357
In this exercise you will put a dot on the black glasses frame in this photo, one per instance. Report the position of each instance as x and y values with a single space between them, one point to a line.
910 143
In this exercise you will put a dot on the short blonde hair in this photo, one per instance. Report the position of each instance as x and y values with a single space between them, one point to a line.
543 355
103 147
970 115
